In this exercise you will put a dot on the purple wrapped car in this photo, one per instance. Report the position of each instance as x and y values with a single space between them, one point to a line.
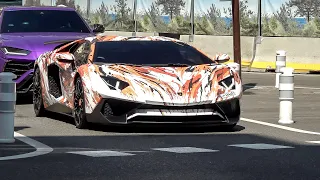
27 32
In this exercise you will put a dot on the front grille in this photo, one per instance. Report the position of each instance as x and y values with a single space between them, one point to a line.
115 107
18 68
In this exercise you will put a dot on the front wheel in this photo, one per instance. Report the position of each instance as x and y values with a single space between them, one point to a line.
79 106
232 110
37 95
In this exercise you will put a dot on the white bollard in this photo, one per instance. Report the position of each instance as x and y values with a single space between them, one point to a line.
286 95
280 63
7 107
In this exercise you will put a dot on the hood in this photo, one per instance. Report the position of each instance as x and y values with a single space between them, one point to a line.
170 85
34 42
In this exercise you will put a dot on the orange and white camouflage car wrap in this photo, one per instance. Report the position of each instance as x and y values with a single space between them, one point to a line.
156 86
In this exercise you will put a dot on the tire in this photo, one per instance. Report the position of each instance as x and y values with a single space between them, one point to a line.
232 110
79 113
37 95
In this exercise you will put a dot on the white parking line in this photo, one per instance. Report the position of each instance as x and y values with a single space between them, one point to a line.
268 87
41 149
270 73
105 153
313 142
185 150
260 146
280 126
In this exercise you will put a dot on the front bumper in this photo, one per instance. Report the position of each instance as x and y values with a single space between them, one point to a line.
24 72
124 112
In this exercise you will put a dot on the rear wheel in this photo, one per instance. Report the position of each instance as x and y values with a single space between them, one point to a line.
79 105
37 95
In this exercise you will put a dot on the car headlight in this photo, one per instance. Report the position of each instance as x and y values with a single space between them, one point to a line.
228 83
14 51
115 83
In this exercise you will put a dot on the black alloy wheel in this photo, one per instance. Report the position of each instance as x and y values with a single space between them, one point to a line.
79 106
37 95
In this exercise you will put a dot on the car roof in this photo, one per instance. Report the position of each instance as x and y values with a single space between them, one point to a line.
19 8
104 38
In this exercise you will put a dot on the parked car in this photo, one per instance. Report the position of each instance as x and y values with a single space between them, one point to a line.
123 80
27 32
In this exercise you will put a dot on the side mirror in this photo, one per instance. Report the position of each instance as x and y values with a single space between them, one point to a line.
222 58
98 28
64 56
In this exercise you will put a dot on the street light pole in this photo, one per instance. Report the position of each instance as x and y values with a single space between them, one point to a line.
236 33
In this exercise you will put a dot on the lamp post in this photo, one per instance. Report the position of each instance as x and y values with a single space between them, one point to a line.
236 32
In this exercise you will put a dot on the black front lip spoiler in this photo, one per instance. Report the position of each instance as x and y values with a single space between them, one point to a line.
97 117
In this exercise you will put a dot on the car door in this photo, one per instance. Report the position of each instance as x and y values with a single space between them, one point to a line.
68 72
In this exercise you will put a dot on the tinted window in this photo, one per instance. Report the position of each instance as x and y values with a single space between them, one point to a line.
42 21
82 53
148 52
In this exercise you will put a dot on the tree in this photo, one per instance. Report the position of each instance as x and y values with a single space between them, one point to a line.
122 11
171 7
69 3
103 15
285 18
32 3
218 25
248 23
152 19
102 12
305 8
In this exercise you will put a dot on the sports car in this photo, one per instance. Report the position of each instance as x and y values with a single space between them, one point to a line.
129 80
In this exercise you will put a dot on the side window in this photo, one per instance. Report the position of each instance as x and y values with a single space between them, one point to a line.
81 54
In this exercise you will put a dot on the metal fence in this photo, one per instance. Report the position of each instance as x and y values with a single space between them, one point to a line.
209 17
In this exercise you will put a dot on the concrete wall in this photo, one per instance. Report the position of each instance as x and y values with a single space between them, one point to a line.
303 54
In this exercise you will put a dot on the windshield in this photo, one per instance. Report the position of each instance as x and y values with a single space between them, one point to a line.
42 21
148 53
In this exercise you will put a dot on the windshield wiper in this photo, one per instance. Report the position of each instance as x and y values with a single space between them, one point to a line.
58 41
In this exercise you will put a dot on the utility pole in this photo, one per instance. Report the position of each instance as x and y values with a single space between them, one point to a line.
88 8
191 37
236 33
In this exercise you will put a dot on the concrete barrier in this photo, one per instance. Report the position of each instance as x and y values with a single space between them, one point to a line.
302 53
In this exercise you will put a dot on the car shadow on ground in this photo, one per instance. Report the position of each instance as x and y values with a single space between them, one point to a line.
162 128
246 88
19 128
142 128
24 99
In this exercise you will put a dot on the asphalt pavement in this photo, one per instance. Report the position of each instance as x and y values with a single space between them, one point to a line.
258 148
